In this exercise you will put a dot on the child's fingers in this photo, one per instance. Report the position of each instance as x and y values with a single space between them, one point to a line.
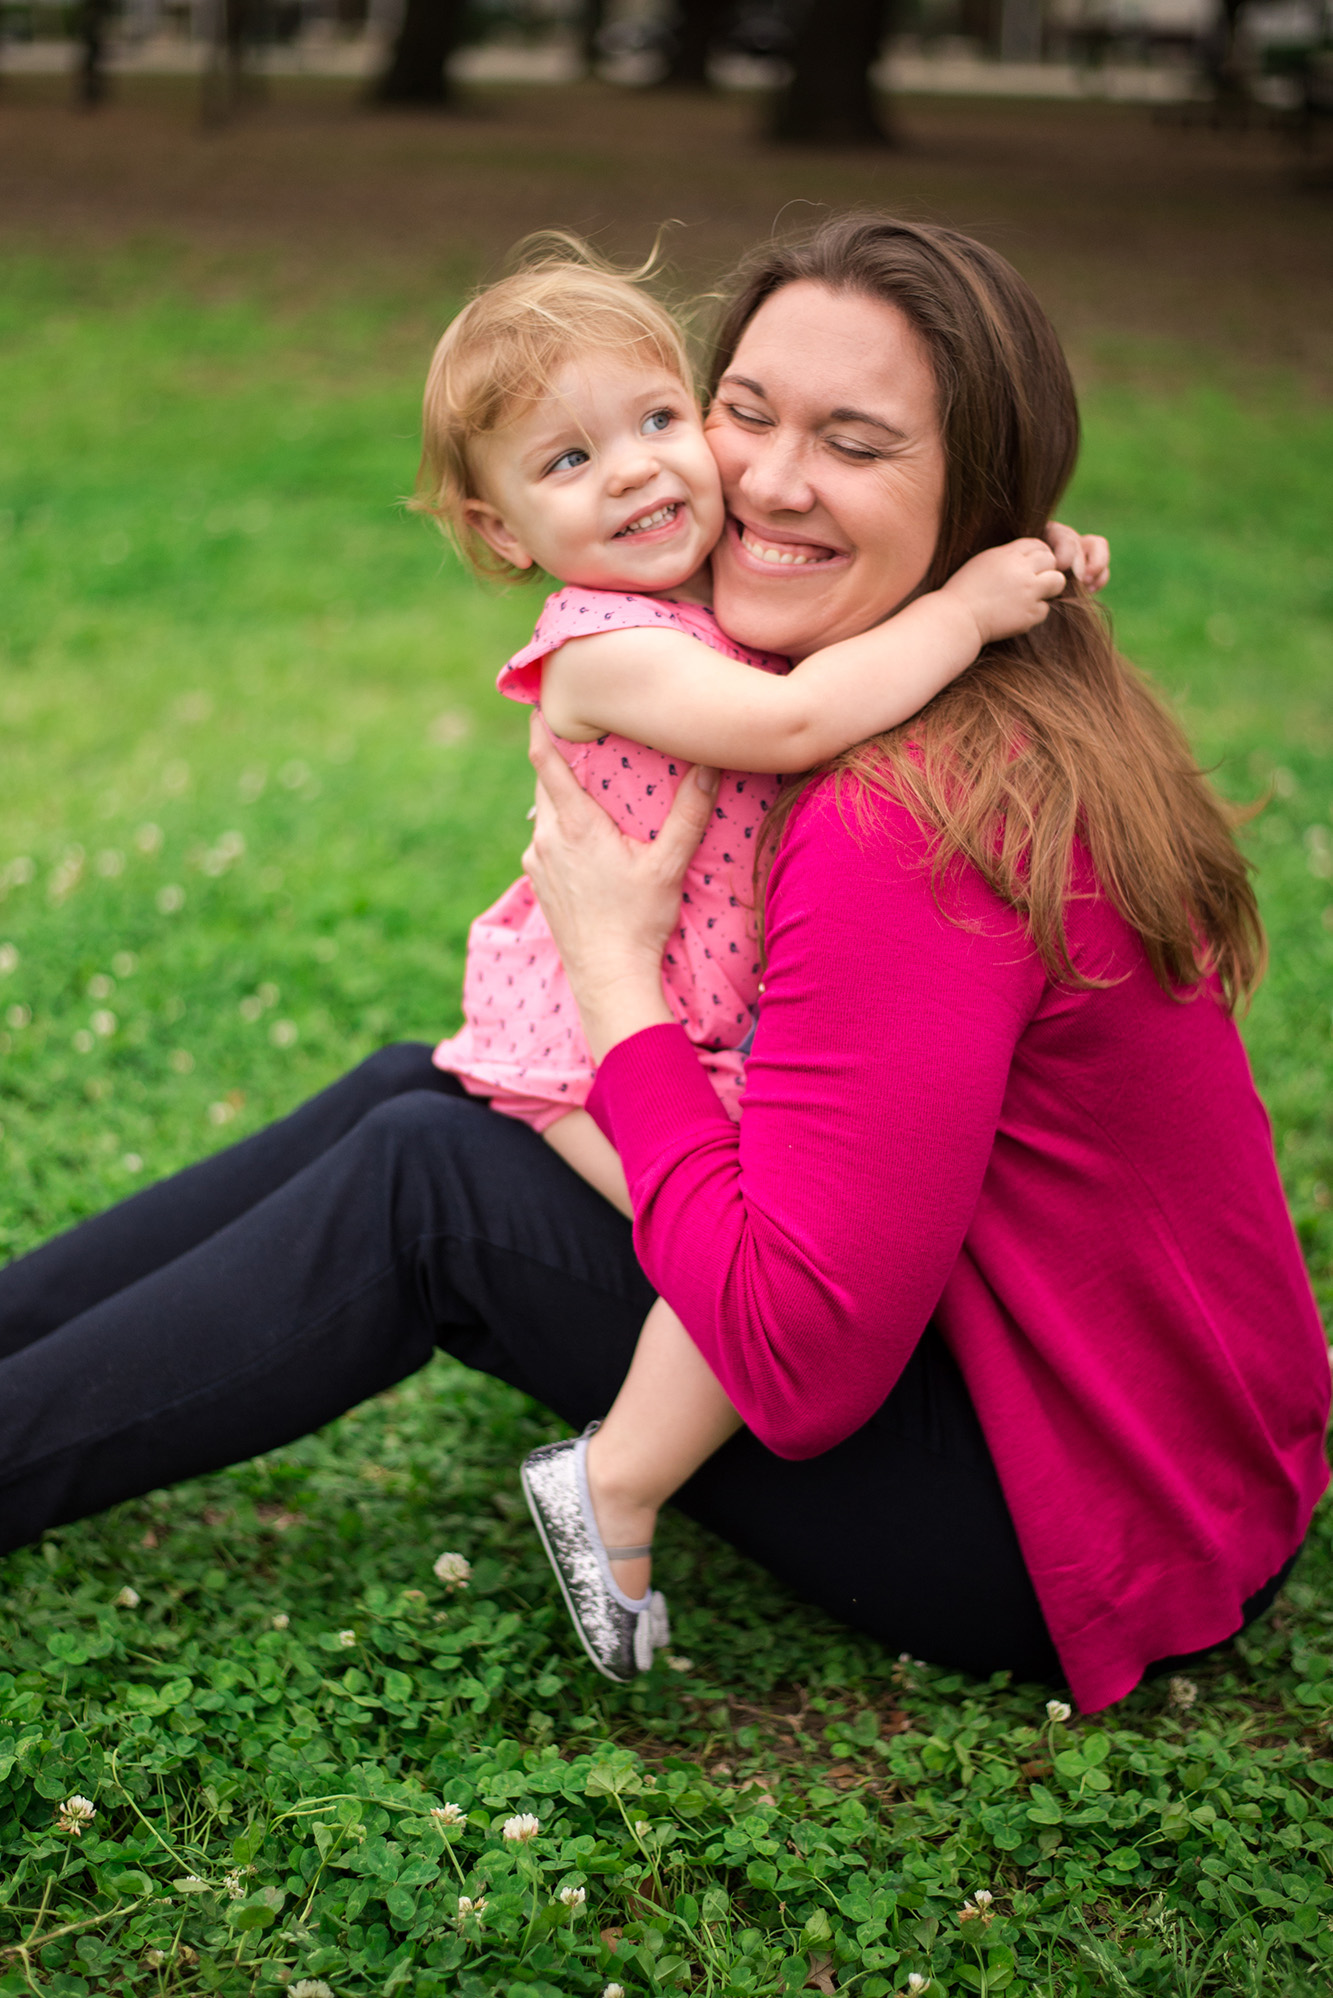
1097 562
1067 548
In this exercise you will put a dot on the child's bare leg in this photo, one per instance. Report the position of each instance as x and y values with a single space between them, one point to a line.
668 1419
581 1145
670 1415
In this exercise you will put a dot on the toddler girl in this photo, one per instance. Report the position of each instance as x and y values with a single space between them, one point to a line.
561 434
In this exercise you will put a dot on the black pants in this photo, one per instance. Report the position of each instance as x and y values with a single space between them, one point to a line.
250 1299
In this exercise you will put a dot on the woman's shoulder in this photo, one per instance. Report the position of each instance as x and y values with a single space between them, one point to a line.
854 851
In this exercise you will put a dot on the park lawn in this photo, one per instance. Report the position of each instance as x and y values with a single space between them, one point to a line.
257 782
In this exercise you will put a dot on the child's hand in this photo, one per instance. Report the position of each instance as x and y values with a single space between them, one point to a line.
1085 557
1007 590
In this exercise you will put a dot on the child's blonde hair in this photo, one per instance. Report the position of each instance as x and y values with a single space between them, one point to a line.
504 350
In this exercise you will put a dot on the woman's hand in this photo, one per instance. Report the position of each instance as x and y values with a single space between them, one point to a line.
611 901
1085 557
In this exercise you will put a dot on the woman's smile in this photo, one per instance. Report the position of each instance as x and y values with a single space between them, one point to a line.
775 550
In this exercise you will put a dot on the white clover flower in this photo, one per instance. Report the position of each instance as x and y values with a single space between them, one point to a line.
983 1897
916 1984
347 1638
1056 1710
284 1033
573 1897
171 899
128 1598
190 1883
1183 1693
449 1814
132 1162
74 1814
519 1830
281 1620
641 1828
468 1907
614 1991
454 1570
235 1883
155 1958
309 1987
679 1664
979 1908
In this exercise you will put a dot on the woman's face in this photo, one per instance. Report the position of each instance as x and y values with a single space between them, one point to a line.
825 431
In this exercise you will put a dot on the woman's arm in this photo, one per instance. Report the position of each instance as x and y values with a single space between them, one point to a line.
683 698
805 1250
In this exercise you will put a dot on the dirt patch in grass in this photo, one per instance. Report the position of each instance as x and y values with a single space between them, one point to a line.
1155 246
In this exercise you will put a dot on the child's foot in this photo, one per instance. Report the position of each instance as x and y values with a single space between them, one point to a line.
619 1632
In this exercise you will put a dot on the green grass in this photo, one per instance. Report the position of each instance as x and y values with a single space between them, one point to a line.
256 783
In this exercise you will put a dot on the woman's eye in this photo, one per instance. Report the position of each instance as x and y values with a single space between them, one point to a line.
568 461
660 420
848 447
743 415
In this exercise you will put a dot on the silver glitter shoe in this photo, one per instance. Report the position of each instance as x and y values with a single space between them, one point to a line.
618 1634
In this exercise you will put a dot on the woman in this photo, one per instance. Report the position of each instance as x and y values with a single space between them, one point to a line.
997 1269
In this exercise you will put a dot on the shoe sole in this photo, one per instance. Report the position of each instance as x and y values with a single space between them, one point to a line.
574 1617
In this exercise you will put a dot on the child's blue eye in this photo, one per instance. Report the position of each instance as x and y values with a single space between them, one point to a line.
569 460
661 419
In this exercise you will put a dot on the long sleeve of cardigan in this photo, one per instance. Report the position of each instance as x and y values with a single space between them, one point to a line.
806 1250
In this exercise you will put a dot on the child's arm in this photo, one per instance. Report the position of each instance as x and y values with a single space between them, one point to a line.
678 695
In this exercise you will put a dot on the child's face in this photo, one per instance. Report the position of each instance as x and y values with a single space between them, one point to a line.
608 482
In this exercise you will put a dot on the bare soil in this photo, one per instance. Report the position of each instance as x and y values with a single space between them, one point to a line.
1154 245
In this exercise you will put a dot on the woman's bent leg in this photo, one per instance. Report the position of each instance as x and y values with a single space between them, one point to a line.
901 1531
430 1221
112 1250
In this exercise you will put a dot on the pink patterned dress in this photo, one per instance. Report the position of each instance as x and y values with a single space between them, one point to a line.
521 1043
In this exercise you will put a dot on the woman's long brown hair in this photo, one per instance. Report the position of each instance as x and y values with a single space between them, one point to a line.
1049 738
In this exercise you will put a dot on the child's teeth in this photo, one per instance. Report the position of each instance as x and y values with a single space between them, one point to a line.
651 520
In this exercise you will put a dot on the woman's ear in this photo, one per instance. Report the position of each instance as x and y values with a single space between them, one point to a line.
485 520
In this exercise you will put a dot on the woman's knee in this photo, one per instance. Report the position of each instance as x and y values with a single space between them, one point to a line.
394 1070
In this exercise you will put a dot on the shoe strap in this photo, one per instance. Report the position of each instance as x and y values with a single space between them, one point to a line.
627 1553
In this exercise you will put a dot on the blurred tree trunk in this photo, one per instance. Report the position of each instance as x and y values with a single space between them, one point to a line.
230 79
695 25
418 71
591 18
1224 64
830 101
90 77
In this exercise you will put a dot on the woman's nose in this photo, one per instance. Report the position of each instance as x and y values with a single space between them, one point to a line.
775 476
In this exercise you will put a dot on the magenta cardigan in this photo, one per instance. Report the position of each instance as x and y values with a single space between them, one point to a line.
1079 1186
